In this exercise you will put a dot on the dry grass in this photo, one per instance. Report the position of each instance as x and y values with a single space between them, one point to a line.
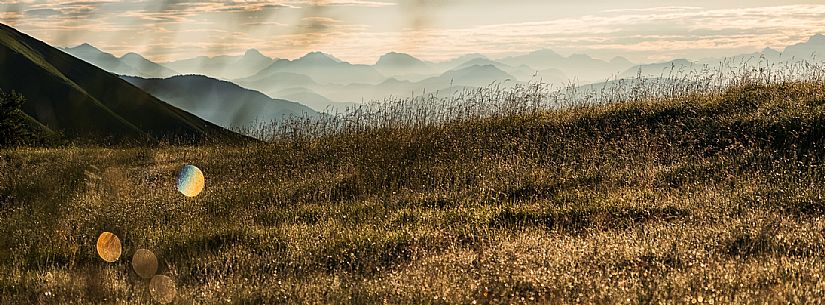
698 198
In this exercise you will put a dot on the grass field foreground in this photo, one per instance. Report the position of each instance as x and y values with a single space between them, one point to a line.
698 199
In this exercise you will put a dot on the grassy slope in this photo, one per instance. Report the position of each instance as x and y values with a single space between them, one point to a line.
69 95
698 199
223 103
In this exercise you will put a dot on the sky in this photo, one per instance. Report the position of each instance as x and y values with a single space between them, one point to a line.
360 31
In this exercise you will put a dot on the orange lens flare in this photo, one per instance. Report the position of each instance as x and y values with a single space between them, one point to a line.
109 247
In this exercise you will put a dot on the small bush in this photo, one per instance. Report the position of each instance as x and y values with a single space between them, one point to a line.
13 129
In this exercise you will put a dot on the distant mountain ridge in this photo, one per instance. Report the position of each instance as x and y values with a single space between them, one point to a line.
473 76
399 59
811 50
815 46
322 68
129 64
395 64
223 67
320 78
581 67
145 67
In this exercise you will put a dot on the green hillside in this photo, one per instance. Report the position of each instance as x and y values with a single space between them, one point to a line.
85 103
705 198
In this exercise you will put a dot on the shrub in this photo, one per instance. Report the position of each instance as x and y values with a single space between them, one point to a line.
13 129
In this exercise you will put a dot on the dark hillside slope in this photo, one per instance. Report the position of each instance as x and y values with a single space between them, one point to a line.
220 102
84 102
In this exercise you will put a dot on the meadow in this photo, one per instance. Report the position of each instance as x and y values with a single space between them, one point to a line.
693 192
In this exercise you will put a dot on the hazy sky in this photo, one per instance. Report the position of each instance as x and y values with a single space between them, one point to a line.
361 30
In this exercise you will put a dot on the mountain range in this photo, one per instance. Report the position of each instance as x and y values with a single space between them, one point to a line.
812 50
465 77
814 47
322 68
324 82
131 64
223 67
400 64
233 91
580 67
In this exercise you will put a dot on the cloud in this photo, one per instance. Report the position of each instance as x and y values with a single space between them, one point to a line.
345 3
317 24
212 6
658 9
288 28
208 6
678 30
10 17
44 12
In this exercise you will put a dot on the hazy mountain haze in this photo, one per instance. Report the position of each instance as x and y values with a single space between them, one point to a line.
321 80
225 66
223 103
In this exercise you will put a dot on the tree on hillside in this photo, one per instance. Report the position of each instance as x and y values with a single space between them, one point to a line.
13 129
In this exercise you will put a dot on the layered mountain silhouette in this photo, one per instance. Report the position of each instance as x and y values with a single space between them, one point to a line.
145 67
275 82
522 72
68 95
455 62
322 68
295 87
314 100
220 102
466 77
400 64
472 76
131 64
223 67
322 81
581 67
812 50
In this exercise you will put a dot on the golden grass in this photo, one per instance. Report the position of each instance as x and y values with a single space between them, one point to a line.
701 199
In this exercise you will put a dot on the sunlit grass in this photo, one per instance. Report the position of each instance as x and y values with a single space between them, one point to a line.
711 197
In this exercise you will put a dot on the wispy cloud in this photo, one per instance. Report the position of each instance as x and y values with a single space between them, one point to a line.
166 29
347 3
644 32
657 9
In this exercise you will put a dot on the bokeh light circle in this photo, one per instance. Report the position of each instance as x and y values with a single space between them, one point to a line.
109 247
162 289
190 180
145 263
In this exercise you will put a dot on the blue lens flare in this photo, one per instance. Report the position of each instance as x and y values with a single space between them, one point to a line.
190 181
